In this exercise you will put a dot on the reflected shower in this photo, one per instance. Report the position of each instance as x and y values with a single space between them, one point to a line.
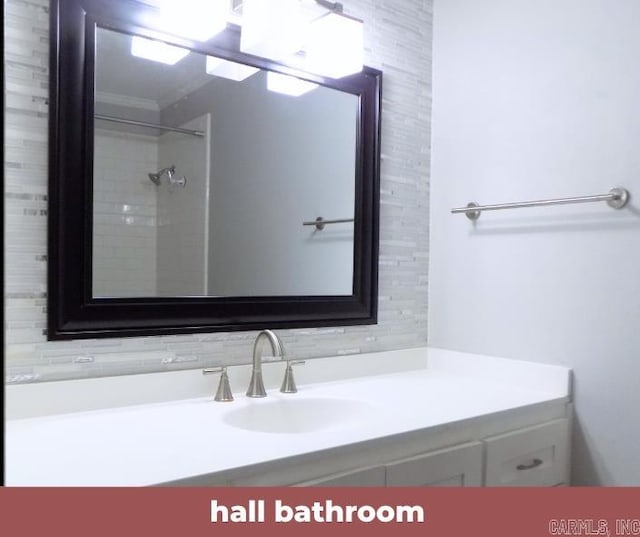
169 171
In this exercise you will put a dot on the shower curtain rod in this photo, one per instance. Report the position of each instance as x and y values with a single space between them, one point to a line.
149 125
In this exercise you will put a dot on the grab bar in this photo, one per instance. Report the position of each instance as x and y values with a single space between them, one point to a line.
617 198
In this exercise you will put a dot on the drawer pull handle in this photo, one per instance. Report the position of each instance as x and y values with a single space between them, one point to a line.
532 464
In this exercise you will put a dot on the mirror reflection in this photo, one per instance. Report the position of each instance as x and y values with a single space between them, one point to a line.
205 172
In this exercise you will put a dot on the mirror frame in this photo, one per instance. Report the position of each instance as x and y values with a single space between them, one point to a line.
73 313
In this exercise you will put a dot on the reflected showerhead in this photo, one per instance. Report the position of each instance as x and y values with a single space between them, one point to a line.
156 177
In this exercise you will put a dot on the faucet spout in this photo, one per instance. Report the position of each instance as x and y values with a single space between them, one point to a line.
256 384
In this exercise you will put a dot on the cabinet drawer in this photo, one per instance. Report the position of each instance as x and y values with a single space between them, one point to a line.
459 466
535 456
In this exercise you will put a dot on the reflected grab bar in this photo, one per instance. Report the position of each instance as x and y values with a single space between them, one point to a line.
321 222
617 198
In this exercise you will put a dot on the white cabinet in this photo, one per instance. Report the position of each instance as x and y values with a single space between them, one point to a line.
457 466
534 456
531 456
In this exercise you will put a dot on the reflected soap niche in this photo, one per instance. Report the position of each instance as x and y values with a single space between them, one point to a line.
218 192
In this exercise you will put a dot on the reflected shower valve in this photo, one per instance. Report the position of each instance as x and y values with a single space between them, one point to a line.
169 171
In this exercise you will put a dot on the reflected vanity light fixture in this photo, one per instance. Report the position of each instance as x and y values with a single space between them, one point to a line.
314 35
156 51
227 69
289 85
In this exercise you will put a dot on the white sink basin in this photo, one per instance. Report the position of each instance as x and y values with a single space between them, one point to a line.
299 415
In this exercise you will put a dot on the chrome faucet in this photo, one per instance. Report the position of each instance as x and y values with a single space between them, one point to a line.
256 386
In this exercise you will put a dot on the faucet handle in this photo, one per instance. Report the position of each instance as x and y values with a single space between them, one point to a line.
223 393
288 383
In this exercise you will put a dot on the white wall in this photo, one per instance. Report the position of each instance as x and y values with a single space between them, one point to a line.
533 100
295 163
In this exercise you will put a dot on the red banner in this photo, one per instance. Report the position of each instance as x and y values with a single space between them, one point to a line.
195 512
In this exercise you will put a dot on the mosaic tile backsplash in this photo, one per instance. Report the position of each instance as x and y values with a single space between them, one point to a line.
397 41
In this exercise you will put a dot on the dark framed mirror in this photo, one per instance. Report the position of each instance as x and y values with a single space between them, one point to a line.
188 198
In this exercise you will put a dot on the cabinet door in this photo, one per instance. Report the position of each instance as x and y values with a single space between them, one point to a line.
369 477
457 466
535 456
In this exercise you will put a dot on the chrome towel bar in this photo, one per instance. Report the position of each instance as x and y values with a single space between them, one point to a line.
321 222
617 198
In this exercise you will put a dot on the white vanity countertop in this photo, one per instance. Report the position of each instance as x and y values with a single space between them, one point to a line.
150 443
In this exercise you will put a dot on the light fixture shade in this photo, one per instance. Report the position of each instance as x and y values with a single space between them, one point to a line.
227 69
198 20
156 51
272 29
289 85
334 46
